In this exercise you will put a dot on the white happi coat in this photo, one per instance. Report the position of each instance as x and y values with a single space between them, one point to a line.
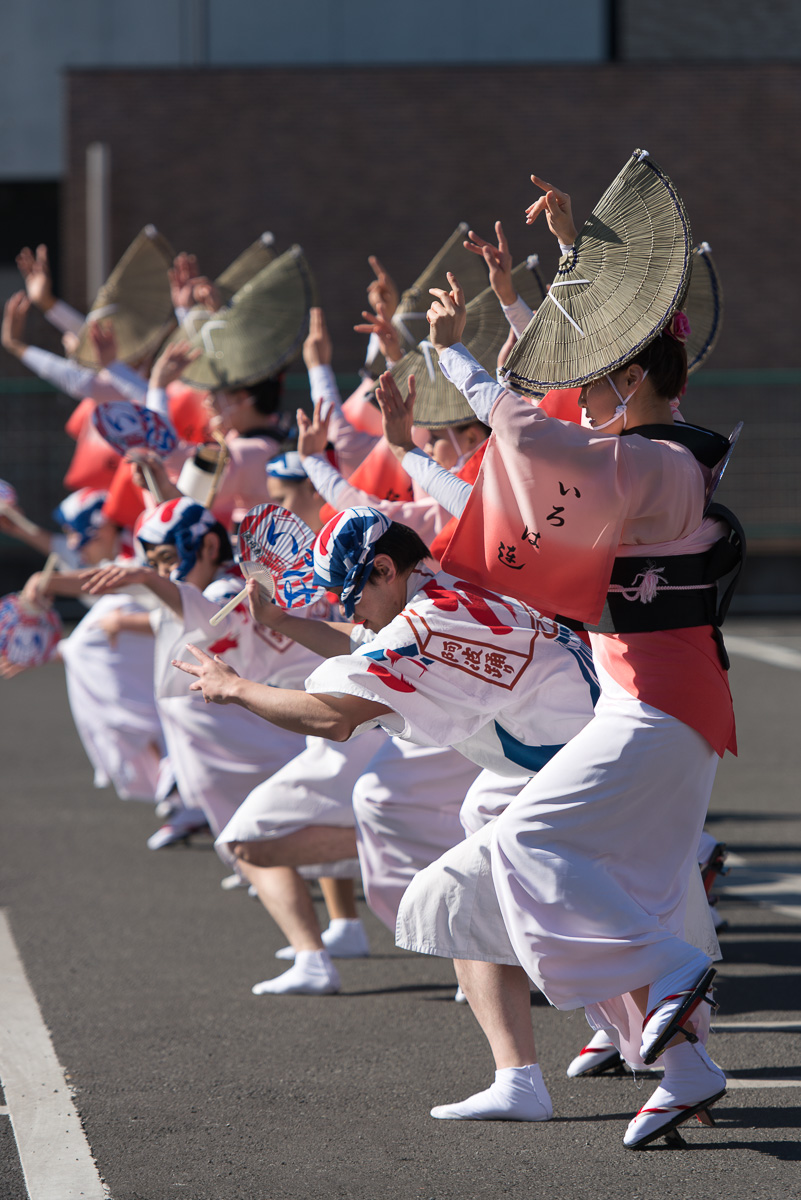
219 753
465 667
110 690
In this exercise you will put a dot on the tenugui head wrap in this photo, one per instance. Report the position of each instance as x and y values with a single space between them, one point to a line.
181 523
82 512
345 550
287 466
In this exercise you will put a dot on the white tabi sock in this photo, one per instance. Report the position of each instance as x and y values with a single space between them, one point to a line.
312 974
518 1094
690 1077
344 938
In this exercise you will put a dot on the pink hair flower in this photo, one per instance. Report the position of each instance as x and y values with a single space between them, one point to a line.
679 328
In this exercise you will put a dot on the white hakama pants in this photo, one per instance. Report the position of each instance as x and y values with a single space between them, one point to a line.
110 691
450 908
589 879
314 788
592 861
407 808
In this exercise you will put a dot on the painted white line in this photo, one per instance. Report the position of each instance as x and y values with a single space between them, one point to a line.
777 656
53 1150
722 1026
4 1112
744 1084
774 887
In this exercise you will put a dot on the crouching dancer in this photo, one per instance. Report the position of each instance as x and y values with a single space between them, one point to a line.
443 663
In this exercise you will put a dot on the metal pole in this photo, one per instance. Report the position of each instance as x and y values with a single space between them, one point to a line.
98 217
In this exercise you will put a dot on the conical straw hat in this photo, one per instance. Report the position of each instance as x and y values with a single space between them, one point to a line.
135 299
703 307
615 290
261 332
257 256
410 315
439 403
487 329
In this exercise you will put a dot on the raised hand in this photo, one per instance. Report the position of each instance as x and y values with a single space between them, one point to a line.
213 677
312 435
207 294
156 470
262 609
104 341
183 275
36 273
499 261
382 291
12 333
388 339
447 315
397 414
558 212
317 349
170 364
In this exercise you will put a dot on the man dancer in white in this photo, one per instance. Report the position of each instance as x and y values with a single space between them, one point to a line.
449 665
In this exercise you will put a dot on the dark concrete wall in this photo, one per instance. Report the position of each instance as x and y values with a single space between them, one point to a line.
351 162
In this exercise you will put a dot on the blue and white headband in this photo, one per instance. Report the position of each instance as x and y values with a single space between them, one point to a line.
287 466
345 550
181 523
82 512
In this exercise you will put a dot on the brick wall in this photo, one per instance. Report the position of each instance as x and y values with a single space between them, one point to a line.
358 161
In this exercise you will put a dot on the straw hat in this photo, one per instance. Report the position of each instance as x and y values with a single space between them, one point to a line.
261 331
703 307
258 255
615 290
255 258
135 299
439 403
410 315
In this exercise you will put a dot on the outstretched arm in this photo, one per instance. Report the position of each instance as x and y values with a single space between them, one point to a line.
333 717
449 491
446 318
117 578
326 638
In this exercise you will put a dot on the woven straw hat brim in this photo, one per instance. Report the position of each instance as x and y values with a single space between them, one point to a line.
410 316
135 300
703 307
438 403
618 287
486 328
255 258
261 332
247 265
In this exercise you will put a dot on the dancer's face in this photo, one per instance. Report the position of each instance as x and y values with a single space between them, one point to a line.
384 595
599 401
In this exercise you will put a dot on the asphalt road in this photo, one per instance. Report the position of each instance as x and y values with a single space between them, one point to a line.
190 1087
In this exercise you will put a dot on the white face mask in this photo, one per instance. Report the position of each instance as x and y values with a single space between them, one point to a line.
461 458
621 410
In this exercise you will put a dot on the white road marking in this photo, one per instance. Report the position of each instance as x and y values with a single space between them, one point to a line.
739 1026
776 656
4 1112
744 1084
56 1160
775 888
